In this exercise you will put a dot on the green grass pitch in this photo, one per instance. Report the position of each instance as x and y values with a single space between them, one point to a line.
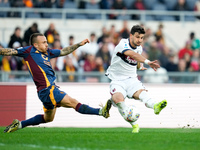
40 138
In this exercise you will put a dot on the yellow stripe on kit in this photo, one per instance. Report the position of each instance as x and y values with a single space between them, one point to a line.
45 76
52 96
29 67
45 110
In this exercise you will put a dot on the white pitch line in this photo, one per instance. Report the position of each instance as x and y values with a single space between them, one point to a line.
2 144
50 147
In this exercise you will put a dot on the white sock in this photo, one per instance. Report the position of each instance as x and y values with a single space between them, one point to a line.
100 111
113 103
133 123
20 125
144 97
121 108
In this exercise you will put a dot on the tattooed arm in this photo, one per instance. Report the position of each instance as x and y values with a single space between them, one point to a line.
70 49
8 51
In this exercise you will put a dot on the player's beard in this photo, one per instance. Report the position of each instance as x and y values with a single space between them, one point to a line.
136 44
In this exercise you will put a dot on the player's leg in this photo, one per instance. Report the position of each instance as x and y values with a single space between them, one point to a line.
70 102
36 120
137 90
40 118
118 99
49 107
143 95
46 96
118 92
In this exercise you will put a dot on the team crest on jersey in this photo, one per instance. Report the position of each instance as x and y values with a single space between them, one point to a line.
44 57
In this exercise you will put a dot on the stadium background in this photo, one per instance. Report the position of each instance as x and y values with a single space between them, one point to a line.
19 100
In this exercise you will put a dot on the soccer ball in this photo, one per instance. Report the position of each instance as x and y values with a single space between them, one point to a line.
131 114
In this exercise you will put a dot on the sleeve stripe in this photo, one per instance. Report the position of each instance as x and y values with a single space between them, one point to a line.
125 50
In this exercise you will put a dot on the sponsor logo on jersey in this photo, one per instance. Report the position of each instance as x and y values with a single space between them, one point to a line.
127 59
131 60
126 45
47 63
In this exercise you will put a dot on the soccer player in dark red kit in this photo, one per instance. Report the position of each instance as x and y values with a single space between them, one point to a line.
37 57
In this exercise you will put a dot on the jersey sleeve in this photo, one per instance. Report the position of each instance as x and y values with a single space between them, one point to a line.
123 46
21 51
54 53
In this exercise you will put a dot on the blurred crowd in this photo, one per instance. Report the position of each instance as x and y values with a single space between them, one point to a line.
105 4
168 5
96 55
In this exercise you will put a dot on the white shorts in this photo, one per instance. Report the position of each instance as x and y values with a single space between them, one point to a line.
127 87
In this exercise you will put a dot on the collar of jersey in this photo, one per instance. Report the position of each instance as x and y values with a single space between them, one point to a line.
37 51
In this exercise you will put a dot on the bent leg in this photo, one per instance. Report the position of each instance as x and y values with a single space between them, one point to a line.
143 95
49 115
149 102
118 96
40 118
118 99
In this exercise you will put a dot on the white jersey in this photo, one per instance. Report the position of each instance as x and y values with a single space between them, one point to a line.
122 66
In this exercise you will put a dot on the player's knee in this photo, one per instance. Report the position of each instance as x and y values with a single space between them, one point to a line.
74 103
117 97
137 93
49 119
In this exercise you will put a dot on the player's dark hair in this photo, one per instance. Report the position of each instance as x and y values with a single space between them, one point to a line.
137 28
33 38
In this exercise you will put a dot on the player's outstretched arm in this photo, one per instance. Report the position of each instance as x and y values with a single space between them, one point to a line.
70 49
8 51
153 64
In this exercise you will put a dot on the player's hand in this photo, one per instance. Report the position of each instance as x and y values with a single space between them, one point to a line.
154 65
143 68
84 42
140 66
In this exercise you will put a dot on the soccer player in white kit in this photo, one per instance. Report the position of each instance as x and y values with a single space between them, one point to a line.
126 59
